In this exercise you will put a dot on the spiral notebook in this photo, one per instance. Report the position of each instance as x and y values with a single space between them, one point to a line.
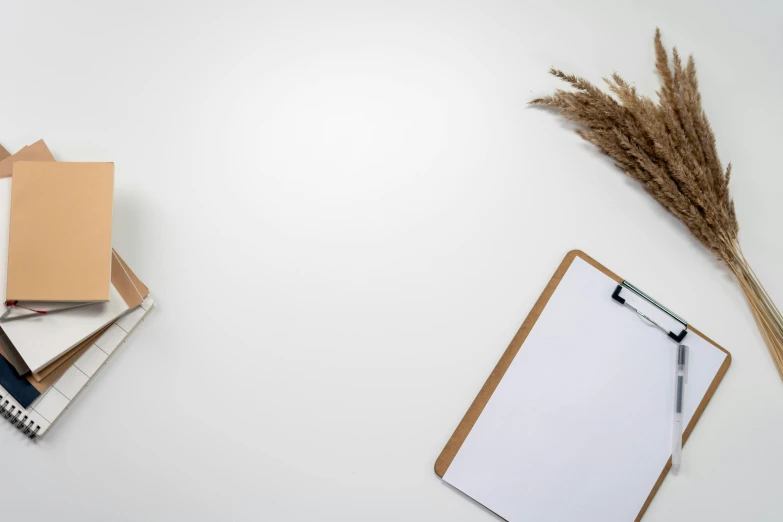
575 422
35 420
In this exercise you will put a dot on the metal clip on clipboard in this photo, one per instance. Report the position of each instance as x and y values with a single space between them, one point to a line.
675 337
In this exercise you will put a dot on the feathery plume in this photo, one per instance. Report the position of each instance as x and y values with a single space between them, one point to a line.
669 148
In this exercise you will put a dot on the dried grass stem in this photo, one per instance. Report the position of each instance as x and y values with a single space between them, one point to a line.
669 148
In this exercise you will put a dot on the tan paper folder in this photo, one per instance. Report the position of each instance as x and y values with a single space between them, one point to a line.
38 151
60 234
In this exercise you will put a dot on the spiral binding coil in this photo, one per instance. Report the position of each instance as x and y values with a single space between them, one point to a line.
11 413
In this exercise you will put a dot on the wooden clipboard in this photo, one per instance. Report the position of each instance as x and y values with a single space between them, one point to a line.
469 420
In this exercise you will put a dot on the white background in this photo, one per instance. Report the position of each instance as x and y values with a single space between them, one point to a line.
345 211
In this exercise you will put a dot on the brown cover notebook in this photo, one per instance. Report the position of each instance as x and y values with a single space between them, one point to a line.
59 246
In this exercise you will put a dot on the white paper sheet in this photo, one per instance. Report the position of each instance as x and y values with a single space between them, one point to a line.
40 339
580 426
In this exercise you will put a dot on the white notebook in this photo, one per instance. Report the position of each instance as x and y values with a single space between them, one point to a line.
36 420
40 339
580 426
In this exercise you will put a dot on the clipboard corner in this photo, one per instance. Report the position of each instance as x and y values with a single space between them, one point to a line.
440 466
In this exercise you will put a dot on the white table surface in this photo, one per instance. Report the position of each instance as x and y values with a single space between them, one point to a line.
345 211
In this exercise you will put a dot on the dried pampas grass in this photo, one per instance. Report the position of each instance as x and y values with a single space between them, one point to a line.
669 148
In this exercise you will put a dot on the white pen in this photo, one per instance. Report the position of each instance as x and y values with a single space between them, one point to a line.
681 378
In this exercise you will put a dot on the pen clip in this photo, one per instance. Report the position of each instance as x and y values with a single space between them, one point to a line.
683 354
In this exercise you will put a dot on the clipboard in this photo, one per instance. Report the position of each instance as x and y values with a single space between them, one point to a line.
464 428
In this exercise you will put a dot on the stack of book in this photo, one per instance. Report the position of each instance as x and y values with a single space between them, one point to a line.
68 298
